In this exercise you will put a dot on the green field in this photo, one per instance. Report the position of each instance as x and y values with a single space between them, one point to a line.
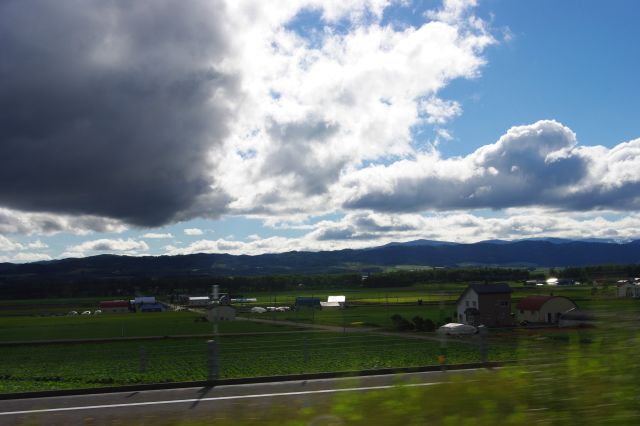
25 328
57 366
288 350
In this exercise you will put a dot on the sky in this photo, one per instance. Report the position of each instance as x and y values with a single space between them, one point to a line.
162 127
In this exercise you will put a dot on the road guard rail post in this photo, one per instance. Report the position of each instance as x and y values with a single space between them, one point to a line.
212 360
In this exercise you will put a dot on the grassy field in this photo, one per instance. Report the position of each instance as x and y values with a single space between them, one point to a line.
72 365
366 316
58 366
25 328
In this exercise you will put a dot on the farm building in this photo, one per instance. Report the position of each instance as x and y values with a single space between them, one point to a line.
114 306
141 300
307 302
488 304
152 307
334 302
198 301
628 288
543 309
221 313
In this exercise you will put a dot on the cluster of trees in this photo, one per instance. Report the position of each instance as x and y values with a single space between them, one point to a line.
598 273
440 275
417 323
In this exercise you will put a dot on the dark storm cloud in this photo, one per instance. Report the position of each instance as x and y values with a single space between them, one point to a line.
110 107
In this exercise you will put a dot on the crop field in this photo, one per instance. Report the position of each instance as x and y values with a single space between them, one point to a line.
56 366
25 328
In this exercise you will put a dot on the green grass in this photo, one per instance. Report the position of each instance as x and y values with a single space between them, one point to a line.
26 328
59 366
371 316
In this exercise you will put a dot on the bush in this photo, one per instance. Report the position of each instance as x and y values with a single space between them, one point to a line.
400 323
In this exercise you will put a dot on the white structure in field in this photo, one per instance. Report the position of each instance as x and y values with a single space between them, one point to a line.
334 302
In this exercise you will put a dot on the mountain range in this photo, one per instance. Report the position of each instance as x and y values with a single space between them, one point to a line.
523 253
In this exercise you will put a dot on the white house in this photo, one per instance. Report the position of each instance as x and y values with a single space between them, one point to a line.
543 309
628 289
488 304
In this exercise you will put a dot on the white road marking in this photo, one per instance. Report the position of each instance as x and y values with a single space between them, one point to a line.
218 398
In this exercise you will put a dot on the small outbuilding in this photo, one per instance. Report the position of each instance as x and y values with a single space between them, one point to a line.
334 302
487 304
543 309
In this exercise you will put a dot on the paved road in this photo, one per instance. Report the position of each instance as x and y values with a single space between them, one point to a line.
236 401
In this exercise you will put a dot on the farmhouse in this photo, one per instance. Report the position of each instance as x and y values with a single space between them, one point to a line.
628 288
114 306
221 313
543 309
488 304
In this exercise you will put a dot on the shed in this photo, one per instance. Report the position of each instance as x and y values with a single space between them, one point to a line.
196 301
543 309
488 304
114 306
334 302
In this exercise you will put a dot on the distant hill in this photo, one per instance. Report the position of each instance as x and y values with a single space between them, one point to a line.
529 253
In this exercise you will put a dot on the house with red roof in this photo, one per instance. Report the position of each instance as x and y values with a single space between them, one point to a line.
543 309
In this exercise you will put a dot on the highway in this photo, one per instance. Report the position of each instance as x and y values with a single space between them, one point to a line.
232 401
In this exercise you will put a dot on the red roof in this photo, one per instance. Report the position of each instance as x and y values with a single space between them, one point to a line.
533 303
114 304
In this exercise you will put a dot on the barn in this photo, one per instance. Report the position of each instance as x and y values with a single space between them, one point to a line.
543 309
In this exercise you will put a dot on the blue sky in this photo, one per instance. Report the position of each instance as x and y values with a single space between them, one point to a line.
455 120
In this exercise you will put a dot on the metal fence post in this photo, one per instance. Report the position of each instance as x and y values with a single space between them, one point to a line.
143 360
212 359
483 331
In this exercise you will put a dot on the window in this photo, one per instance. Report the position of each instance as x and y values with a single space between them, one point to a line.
467 303
521 311
474 303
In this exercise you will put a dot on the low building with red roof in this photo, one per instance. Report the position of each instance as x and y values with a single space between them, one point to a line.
115 306
543 309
